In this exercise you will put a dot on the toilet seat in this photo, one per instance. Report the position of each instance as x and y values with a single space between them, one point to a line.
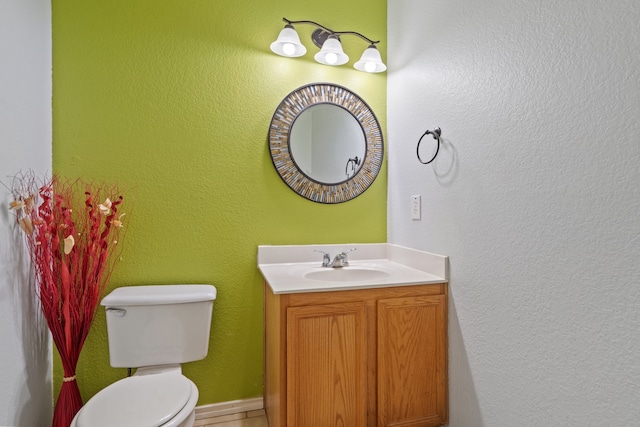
138 401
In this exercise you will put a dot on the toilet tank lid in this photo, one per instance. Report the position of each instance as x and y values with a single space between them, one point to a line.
159 295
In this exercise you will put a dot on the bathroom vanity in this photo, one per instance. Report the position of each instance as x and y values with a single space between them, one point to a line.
361 345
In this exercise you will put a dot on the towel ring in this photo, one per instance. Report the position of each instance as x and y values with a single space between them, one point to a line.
436 135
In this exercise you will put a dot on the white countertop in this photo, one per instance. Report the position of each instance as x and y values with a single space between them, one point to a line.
287 268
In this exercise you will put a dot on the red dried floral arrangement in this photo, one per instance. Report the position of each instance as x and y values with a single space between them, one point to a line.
72 240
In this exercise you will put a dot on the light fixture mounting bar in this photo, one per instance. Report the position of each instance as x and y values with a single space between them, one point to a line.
337 33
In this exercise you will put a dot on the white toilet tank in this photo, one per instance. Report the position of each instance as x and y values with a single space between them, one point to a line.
158 325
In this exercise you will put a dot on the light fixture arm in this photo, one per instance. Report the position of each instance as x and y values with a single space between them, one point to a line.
328 30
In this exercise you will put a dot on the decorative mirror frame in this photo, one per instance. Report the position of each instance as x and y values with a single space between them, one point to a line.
279 132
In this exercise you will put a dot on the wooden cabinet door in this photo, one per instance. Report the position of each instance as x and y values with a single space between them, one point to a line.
412 364
326 361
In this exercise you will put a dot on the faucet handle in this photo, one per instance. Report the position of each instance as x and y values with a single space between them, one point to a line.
343 256
326 259
344 253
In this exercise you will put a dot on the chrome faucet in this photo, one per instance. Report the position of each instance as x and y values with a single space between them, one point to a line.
339 260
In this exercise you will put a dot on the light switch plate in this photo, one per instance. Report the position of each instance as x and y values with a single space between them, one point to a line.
415 207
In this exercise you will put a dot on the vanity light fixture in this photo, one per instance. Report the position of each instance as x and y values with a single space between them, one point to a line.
331 53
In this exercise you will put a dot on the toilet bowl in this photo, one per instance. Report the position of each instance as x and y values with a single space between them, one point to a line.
166 399
156 400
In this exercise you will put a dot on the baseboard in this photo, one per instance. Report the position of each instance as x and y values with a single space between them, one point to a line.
231 407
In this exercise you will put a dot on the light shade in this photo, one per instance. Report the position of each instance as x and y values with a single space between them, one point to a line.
331 52
288 43
370 61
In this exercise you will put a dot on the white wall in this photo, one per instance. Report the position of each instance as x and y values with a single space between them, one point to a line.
535 197
25 143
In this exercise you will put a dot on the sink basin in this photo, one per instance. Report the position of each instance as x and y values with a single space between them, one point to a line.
346 274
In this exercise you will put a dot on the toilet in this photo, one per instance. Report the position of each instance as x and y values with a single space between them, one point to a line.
154 329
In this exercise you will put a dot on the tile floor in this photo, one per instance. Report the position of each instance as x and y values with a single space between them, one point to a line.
242 419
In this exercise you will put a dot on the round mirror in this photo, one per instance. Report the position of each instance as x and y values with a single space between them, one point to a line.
326 143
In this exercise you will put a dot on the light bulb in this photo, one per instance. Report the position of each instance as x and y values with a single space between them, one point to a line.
331 58
369 67
288 49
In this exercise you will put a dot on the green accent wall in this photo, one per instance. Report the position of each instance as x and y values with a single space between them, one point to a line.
172 99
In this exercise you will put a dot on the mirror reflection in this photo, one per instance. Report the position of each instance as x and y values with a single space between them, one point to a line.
327 143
